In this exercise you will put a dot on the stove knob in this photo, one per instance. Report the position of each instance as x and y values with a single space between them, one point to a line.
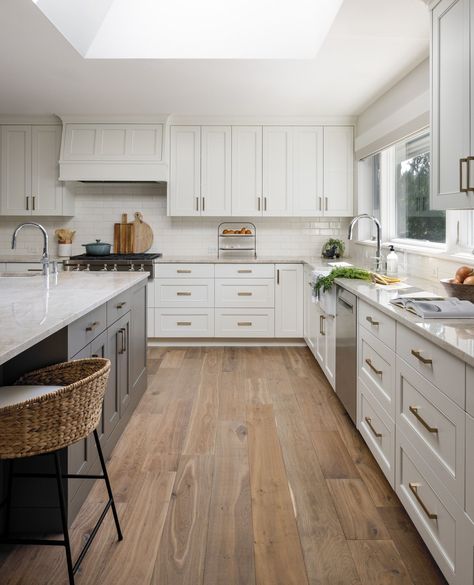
78 268
104 269
114 269
142 268
88 267
132 268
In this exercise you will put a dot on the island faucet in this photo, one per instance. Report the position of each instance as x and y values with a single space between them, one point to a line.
45 255
378 257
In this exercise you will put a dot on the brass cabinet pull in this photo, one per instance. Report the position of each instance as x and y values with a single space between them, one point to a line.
244 294
258 203
416 414
181 271
203 204
121 305
183 323
92 326
461 188
369 422
371 321
321 323
244 271
183 294
325 204
264 204
244 323
320 203
469 159
197 203
368 361
423 360
414 489
278 276
27 203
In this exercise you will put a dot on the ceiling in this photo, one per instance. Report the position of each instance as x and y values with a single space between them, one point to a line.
370 46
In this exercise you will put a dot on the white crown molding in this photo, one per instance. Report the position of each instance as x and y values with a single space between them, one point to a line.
113 119
183 120
21 119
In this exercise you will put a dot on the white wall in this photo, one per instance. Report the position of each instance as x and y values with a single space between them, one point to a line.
98 207
400 111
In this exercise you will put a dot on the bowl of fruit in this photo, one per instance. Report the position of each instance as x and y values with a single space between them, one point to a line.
462 285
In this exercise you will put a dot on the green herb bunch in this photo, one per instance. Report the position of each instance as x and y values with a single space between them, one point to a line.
326 282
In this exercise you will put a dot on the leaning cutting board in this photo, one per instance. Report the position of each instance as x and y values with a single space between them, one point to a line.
124 236
143 235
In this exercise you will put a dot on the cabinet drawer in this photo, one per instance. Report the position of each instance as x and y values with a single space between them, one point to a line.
420 495
470 390
378 431
434 425
184 323
245 323
85 329
118 306
377 369
442 369
245 292
184 292
245 270
184 271
380 325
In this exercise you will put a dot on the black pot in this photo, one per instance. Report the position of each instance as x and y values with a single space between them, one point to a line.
98 248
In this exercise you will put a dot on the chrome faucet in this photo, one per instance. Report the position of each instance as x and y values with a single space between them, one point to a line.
45 256
378 257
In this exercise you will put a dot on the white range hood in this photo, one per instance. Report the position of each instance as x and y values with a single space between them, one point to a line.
112 150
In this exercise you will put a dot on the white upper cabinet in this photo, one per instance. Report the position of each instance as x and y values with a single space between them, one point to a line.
338 171
452 119
277 170
216 170
185 170
247 170
30 170
308 171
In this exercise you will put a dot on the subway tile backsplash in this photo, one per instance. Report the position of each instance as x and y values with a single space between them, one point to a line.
99 206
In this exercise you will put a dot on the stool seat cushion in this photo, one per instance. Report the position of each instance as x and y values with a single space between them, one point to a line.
11 395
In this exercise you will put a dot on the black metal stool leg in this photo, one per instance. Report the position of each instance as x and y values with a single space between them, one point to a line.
62 505
8 499
107 483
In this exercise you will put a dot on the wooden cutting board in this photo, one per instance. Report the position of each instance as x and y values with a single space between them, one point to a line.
124 236
143 234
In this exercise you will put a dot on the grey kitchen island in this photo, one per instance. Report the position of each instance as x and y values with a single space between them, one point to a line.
51 319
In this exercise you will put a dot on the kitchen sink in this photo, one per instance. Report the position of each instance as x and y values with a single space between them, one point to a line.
18 274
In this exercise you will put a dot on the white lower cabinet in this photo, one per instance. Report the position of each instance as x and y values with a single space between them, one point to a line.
469 505
289 300
322 332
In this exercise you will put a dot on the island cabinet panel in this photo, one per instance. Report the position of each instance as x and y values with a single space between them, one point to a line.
138 341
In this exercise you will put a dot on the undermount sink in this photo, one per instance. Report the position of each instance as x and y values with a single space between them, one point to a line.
18 274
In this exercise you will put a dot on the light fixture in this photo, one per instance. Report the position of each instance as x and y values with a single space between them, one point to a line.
191 29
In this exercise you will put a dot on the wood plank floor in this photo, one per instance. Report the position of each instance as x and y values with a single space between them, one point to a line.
239 467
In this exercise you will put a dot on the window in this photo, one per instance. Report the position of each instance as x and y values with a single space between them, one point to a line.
398 183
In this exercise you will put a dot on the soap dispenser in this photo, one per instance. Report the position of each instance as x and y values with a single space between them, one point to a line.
392 262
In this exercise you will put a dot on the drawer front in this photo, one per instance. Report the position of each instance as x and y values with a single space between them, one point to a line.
184 270
470 467
377 369
442 369
118 306
380 325
245 323
184 323
245 292
420 496
87 328
470 390
185 292
378 431
245 270
434 425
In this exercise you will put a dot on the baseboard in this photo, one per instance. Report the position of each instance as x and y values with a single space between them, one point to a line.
224 342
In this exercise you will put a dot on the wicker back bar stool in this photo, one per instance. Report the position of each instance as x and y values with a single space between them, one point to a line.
45 411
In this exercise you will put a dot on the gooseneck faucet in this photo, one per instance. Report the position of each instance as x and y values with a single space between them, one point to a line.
378 257
45 256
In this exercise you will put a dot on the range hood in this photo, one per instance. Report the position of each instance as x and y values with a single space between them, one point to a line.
111 150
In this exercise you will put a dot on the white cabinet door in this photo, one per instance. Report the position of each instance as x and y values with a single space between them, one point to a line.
16 170
185 171
247 171
307 307
215 170
289 300
320 340
277 170
451 111
329 328
46 190
338 170
308 171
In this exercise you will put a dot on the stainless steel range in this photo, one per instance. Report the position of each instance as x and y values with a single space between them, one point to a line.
113 263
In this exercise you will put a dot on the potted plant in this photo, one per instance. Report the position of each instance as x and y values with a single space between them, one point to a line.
333 248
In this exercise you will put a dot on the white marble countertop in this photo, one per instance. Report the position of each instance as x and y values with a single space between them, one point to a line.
28 258
33 308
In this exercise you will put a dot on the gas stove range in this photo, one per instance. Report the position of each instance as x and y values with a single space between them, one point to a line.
113 263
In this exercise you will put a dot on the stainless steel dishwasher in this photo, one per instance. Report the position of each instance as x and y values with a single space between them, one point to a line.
346 350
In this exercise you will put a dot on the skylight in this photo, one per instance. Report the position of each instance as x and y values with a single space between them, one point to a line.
193 29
